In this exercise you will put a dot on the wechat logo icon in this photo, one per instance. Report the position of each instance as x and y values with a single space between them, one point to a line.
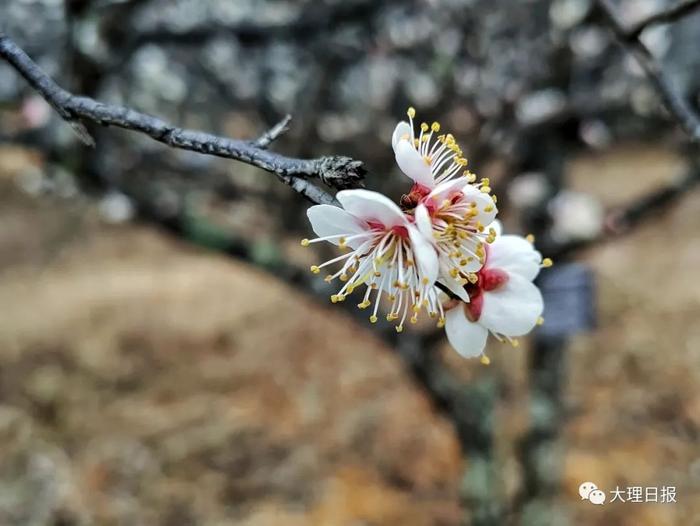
590 492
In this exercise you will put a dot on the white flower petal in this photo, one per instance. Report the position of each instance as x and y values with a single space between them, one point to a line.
444 189
469 246
515 255
451 283
468 338
483 202
424 223
372 206
403 131
412 164
329 220
513 309
425 254
454 286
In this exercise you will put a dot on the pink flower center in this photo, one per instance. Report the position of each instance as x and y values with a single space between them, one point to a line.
488 279
399 230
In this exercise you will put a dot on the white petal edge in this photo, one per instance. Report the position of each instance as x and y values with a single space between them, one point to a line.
329 220
515 255
412 164
372 206
402 130
424 223
483 202
467 338
451 283
425 254
513 309
443 189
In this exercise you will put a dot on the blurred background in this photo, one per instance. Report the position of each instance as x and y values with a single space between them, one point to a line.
167 359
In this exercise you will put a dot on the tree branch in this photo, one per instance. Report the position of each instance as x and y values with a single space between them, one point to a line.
667 16
337 171
674 101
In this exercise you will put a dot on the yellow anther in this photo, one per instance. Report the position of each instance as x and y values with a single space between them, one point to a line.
399 328
305 242
413 319
462 262
540 320
334 298
530 238
415 308
473 278
441 322
427 159
488 208
424 126
484 359
425 138
435 127
454 272
416 143
547 262
425 281
342 241
364 304
515 342
486 189
411 112
328 278
315 269
343 277
373 319
495 198
377 274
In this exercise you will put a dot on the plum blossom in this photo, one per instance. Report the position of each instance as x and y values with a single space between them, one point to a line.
503 300
385 252
426 157
455 217
442 239
449 210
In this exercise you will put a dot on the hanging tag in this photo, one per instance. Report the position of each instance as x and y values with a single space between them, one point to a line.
569 299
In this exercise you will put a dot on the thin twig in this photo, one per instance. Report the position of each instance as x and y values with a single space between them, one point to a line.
273 133
674 101
667 16
335 171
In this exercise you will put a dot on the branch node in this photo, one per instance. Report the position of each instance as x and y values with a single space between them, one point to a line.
341 172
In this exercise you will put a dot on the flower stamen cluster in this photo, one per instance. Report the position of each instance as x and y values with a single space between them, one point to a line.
442 237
